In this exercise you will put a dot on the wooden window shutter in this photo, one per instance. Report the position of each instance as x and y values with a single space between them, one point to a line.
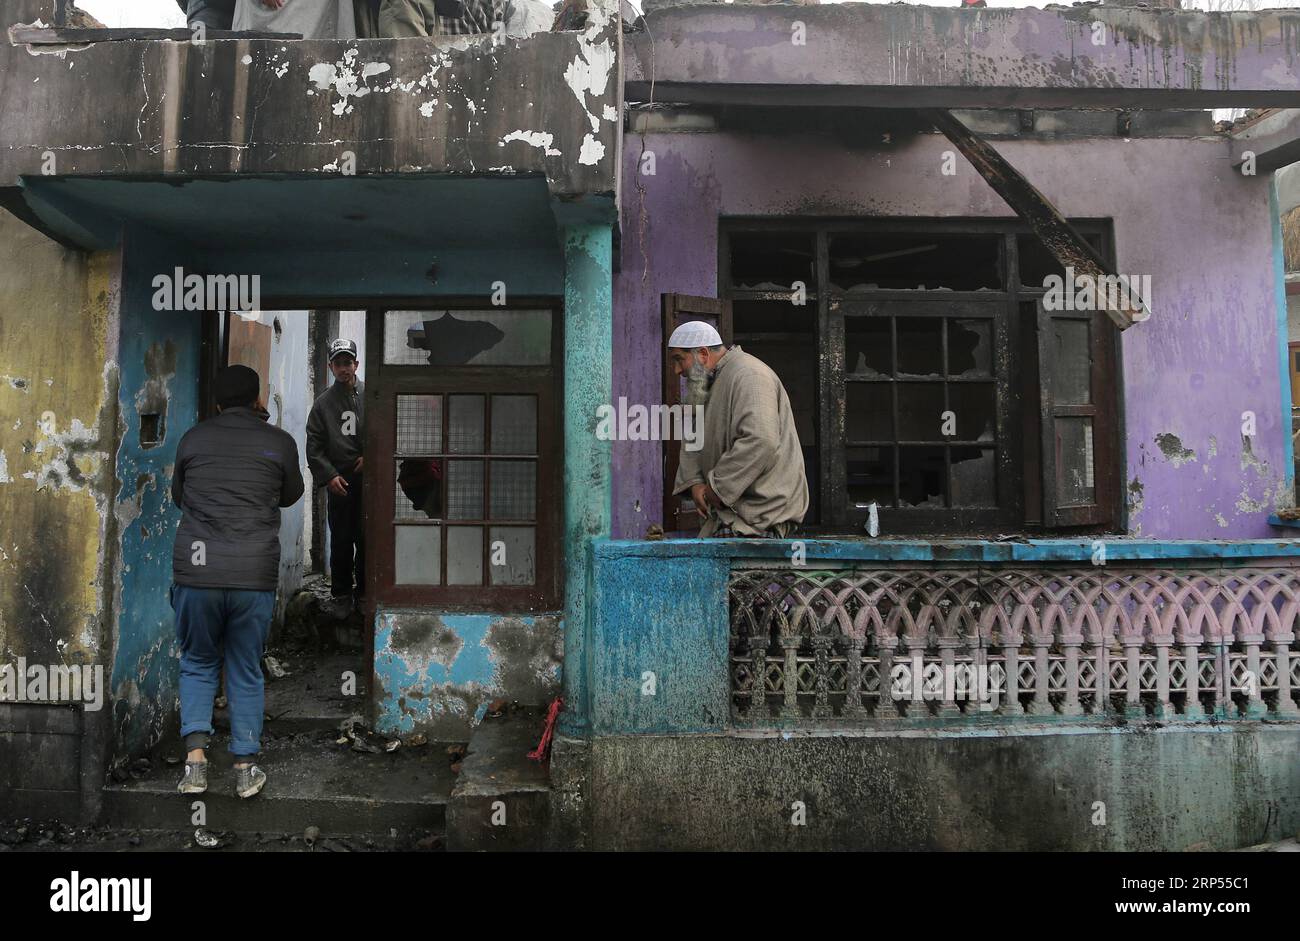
1079 427
679 512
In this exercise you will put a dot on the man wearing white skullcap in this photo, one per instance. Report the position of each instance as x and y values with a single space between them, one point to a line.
747 477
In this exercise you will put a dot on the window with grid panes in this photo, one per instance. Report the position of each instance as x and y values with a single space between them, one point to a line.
913 371
473 475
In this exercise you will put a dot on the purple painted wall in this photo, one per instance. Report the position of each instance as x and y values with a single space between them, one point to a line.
908 55
1181 214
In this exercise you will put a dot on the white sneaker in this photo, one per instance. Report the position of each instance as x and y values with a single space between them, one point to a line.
249 780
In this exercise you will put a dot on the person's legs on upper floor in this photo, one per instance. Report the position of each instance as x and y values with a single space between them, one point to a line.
407 18
213 14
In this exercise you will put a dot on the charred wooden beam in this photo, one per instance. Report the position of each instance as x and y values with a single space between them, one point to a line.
1061 239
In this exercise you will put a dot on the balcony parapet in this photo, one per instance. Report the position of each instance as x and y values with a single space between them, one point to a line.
744 635
548 105
921 644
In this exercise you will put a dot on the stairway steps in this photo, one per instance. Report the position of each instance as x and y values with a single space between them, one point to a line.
311 782
501 801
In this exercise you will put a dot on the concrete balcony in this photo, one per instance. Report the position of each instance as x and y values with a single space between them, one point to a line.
351 144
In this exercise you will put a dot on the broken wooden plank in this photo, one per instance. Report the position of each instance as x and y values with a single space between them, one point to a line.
1064 242
71 35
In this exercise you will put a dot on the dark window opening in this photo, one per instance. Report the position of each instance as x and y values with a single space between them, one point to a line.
915 376
773 261
915 261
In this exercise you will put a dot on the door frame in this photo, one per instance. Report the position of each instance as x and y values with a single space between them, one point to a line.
383 385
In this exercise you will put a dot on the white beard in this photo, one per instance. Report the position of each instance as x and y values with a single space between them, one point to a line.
697 385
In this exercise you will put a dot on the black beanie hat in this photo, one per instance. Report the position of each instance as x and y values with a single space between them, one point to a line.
237 386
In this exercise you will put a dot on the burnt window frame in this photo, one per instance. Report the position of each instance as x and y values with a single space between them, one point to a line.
386 382
1026 503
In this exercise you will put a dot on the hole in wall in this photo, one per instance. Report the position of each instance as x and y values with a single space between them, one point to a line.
151 430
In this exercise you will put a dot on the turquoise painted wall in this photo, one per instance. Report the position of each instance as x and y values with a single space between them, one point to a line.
588 332
158 357
437 672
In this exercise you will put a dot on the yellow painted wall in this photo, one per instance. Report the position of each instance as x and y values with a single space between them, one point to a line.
58 410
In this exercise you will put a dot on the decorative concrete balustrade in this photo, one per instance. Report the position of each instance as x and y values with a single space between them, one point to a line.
688 636
921 643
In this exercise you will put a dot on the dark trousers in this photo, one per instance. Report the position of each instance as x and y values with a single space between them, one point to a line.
214 14
227 627
346 533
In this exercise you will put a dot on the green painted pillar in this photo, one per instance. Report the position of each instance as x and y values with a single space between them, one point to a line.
588 332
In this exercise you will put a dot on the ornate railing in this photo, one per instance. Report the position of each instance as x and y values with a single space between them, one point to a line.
929 643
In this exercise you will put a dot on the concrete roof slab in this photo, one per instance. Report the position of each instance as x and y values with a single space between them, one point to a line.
901 55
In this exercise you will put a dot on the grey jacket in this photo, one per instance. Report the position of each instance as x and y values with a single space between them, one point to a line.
233 473
329 451
751 455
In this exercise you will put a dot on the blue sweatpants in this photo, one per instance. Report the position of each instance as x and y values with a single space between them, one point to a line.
215 625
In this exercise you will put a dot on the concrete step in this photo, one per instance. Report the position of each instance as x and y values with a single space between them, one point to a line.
310 698
501 800
311 782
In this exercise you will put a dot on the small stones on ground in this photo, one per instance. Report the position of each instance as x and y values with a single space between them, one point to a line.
416 740
203 838
393 745
274 668
311 835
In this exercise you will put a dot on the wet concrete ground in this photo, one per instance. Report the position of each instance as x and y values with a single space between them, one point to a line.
28 836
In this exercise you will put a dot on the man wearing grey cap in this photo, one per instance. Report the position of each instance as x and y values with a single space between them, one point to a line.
747 478
335 432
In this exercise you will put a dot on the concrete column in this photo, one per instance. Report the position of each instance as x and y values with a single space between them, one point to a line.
588 330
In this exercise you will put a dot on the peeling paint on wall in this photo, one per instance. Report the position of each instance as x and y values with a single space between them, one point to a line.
539 139
437 673
589 74
1171 446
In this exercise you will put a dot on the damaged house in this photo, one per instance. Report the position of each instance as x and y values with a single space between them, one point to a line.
1029 304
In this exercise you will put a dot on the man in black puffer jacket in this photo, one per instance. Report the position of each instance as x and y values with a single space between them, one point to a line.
233 474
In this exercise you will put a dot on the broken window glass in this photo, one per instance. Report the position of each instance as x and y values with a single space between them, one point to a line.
467 337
